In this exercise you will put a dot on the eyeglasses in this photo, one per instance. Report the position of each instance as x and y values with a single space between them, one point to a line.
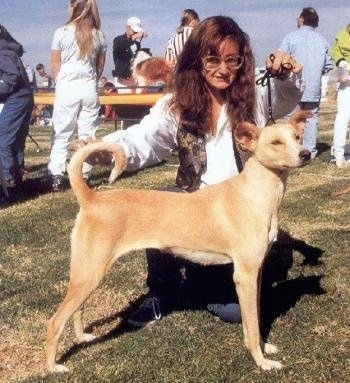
232 62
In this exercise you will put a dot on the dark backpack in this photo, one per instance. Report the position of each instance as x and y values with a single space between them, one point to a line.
13 80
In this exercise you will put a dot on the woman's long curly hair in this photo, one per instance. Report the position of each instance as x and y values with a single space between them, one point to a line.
87 22
191 97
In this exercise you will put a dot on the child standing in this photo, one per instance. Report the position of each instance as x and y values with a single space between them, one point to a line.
77 61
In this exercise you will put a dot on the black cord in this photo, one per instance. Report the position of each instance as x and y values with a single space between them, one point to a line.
265 80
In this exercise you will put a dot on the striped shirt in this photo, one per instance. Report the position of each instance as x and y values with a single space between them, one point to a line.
176 43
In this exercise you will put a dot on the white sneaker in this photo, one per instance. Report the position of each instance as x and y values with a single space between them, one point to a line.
231 312
341 163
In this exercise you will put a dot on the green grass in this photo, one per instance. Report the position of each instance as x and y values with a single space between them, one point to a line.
305 297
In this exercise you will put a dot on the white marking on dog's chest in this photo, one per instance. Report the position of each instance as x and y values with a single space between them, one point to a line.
201 257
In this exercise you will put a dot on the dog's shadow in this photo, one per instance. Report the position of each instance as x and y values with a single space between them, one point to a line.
278 293
122 327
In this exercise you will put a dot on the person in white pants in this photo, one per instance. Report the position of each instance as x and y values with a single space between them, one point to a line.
77 62
75 107
341 123
341 56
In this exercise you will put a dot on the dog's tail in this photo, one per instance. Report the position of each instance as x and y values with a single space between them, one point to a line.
80 188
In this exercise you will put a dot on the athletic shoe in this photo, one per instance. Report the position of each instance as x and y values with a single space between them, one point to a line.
341 163
230 312
146 313
332 160
57 183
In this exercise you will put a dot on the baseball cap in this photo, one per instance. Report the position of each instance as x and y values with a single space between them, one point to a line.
135 24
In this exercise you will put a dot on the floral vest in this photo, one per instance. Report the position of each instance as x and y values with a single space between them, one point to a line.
193 159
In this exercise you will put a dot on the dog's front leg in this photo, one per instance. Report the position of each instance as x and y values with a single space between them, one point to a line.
268 348
246 277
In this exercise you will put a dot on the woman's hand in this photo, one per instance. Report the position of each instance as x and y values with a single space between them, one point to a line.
282 63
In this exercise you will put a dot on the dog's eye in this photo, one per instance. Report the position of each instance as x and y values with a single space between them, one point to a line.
297 137
276 142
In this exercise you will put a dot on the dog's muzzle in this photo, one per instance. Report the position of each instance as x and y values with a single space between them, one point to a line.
305 156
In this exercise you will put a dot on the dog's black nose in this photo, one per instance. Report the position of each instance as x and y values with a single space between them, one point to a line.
305 155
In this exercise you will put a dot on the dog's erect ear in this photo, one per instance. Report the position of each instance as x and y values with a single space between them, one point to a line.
298 119
246 135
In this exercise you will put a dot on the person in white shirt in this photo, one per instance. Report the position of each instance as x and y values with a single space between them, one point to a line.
189 19
77 61
214 89
43 79
31 76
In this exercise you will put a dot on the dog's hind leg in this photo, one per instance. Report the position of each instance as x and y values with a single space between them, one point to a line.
78 314
83 281
79 327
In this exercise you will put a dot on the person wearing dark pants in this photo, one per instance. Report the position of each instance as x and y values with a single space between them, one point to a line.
16 95
177 284
214 89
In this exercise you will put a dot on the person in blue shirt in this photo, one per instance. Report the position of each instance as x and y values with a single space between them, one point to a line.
311 50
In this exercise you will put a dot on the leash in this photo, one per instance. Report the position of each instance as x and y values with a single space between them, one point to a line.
265 80
239 162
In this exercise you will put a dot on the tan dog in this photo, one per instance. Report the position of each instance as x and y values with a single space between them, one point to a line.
235 221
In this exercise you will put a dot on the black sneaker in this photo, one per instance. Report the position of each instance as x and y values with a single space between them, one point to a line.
57 183
332 160
229 312
14 191
146 313
3 199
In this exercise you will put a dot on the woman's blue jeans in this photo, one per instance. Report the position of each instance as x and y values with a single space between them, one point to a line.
14 127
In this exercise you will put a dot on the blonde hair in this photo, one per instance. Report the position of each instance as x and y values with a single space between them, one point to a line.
87 22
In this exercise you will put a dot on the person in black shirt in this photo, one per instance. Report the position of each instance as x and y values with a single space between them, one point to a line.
125 48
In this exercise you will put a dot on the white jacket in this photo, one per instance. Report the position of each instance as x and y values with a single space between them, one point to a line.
149 142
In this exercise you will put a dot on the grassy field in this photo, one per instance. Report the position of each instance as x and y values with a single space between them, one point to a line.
305 299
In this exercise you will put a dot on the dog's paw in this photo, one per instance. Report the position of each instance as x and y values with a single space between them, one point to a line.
59 369
267 365
88 337
269 348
